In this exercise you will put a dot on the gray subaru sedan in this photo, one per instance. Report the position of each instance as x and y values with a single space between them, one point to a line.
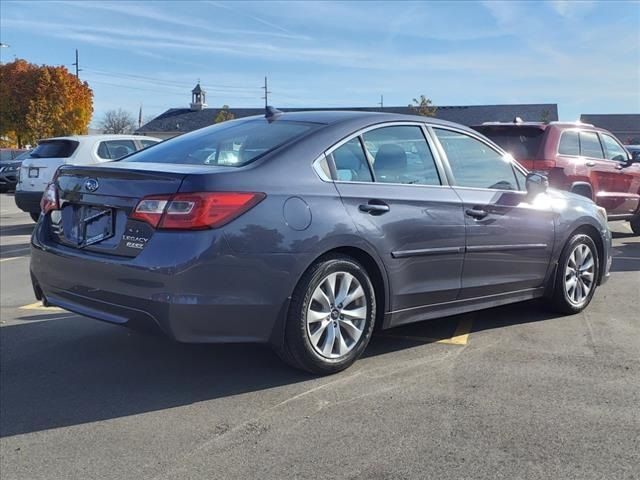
306 230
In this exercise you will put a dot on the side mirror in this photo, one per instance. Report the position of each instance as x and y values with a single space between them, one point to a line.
536 184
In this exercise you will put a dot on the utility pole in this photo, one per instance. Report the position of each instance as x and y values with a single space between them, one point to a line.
266 93
77 65
381 102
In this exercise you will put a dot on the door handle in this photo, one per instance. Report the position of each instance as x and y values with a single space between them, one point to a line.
374 207
590 164
476 213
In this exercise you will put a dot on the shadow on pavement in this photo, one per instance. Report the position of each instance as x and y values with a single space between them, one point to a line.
626 255
14 230
70 371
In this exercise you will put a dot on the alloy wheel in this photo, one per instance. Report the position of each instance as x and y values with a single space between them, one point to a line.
579 274
337 314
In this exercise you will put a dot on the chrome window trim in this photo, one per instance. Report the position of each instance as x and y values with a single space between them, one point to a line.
440 170
318 169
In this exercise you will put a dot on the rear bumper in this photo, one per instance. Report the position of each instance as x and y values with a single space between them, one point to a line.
193 291
28 201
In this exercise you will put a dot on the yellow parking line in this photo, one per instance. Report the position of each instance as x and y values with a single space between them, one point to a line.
460 336
39 306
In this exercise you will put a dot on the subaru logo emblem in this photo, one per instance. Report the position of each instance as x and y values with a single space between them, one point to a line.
91 184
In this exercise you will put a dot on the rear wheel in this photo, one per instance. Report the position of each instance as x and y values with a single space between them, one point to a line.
331 317
34 216
635 224
576 276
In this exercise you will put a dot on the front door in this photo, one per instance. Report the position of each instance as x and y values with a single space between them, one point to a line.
392 190
509 239
622 195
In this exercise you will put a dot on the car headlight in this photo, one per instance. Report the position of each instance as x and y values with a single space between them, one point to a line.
602 213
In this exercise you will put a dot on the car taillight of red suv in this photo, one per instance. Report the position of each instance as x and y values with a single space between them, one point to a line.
577 157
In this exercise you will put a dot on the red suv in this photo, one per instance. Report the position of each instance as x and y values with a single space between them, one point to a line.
577 157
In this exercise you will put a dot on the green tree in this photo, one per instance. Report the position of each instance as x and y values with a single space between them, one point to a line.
423 106
42 101
223 115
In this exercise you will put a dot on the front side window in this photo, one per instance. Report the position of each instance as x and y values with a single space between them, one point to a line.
569 143
590 145
613 148
401 154
351 162
474 164
231 144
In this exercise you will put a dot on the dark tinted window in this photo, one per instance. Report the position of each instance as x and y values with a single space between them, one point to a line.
521 142
229 143
475 164
569 143
401 155
590 145
351 162
55 149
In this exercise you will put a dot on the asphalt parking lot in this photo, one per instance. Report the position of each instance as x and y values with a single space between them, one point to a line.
512 392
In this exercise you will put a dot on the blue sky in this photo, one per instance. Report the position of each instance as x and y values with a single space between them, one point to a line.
583 55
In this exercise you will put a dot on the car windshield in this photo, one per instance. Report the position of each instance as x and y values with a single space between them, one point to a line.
228 144
8 155
54 149
521 142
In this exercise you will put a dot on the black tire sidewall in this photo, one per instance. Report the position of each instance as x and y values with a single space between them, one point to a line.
561 298
296 337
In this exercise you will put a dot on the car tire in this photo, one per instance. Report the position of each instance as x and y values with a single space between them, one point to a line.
576 276
331 316
635 224
34 216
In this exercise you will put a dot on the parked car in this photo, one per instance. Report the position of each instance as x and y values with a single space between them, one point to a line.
634 150
577 157
38 169
10 160
304 230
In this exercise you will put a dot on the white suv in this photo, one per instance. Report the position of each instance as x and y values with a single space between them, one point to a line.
38 168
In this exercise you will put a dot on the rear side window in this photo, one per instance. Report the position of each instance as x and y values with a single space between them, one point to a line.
569 143
590 145
614 150
351 162
228 144
115 149
401 155
523 143
55 149
474 164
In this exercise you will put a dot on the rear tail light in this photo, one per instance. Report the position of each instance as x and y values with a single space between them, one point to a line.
194 211
50 200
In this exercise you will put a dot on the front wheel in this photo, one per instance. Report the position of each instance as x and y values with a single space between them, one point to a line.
331 317
576 276
635 224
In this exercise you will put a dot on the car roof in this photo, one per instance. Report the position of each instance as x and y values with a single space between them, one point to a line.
79 138
337 117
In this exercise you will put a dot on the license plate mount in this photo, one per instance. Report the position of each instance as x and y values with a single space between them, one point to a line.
96 225
34 172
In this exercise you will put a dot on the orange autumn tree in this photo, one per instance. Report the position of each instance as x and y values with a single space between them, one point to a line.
42 101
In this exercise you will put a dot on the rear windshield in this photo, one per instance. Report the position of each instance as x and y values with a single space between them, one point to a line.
54 149
228 144
521 142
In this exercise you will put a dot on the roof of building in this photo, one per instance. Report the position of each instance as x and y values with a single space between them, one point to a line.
614 122
180 120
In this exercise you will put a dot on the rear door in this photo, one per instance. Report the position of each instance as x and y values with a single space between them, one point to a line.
394 192
509 240
115 149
